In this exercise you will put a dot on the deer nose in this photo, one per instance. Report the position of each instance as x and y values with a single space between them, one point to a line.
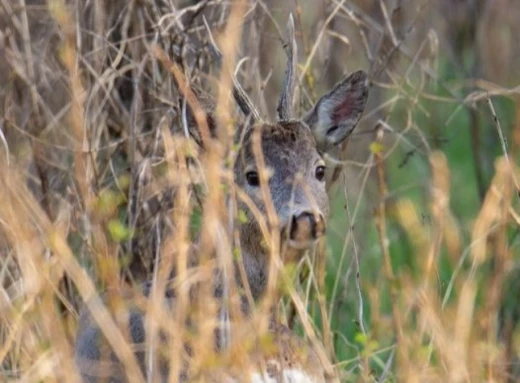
306 226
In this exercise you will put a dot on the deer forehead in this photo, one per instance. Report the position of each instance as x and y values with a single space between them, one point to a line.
284 144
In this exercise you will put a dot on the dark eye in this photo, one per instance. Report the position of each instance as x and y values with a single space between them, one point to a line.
252 178
320 173
333 129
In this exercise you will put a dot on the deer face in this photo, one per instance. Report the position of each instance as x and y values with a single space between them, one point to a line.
292 152
296 179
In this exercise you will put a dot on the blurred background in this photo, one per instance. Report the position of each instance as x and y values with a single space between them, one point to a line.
422 261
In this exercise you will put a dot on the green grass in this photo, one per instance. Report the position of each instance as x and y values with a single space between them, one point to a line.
447 128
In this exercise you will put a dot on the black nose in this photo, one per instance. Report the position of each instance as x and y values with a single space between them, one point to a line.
306 226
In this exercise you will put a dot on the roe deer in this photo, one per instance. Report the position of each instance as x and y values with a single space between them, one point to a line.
294 154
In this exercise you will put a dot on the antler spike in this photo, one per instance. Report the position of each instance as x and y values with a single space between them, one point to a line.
286 98
244 102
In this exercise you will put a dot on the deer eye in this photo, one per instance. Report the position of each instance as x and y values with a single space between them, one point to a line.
320 173
252 178
333 129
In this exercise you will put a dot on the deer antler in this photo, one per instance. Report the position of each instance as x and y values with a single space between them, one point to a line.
286 98
244 102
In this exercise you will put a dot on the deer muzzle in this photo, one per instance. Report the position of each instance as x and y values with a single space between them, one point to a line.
305 228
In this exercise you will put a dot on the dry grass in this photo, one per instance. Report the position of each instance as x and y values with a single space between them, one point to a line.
94 183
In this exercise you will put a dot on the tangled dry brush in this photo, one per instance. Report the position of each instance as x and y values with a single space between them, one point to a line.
96 129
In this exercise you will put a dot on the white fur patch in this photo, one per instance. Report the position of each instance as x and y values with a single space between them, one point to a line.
289 376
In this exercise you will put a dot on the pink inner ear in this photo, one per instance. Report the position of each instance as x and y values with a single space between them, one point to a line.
344 110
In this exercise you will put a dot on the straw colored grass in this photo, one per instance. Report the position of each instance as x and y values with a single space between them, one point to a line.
103 185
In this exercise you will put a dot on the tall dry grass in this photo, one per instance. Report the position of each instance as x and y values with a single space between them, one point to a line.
98 104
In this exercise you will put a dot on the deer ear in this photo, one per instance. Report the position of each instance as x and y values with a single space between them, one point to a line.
337 113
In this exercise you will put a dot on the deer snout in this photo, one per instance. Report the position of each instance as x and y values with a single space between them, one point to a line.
306 227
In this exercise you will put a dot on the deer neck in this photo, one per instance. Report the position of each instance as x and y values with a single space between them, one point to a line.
256 260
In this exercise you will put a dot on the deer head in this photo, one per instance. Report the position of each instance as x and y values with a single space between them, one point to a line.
293 152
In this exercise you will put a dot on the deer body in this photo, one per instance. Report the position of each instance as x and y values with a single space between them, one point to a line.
293 153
